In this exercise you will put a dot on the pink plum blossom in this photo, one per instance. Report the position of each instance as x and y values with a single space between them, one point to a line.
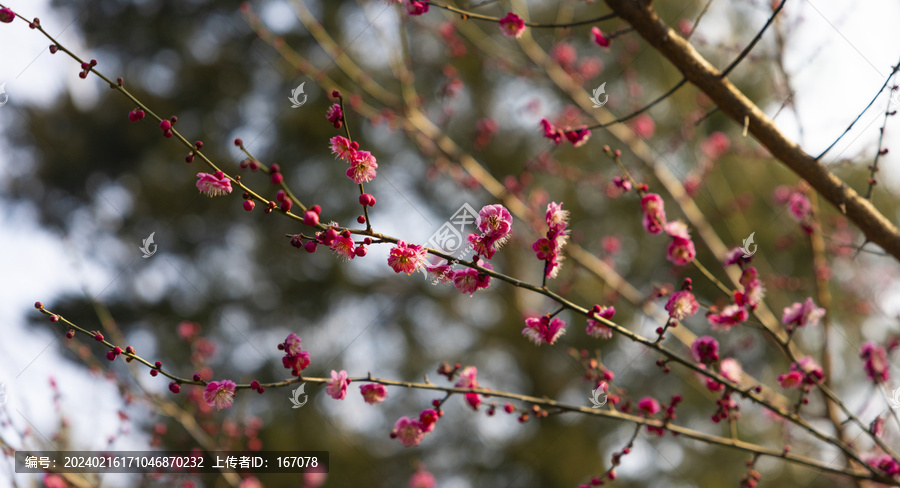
705 350
682 304
681 251
407 258
362 167
213 185
792 379
337 386
219 394
373 393
415 7
409 431
578 137
802 314
649 405
343 246
730 368
468 378
512 25
799 206
876 364
542 329
342 147
729 317
422 479
494 221
551 132
294 359
598 329
470 280
654 213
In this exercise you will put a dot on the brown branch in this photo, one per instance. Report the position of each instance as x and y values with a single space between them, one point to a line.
875 226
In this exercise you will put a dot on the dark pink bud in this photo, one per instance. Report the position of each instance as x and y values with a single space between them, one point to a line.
364 199
310 246
238 142
167 134
158 364
254 385
249 204
335 94
83 75
286 205
7 15
70 334
311 218
277 178
111 355
154 372
174 387
53 48
198 144
279 197
38 305
360 251
98 337
361 219
129 350
197 377
165 125
173 119
260 390
189 158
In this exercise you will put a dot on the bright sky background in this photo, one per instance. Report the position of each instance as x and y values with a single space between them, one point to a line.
840 55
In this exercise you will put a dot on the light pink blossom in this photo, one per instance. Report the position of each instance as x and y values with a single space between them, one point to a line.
729 317
705 350
468 378
337 386
342 147
373 393
213 185
495 221
802 314
876 364
469 280
219 394
681 251
408 431
654 213
682 304
649 405
598 329
343 246
422 479
362 167
599 39
791 380
730 368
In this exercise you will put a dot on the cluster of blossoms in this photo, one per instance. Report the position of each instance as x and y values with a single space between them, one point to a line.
649 407
411 431
576 136
681 251
495 224
294 358
549 248
341 243
362 163
804 373
745 300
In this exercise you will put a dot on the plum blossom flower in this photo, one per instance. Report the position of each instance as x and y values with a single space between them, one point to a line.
799 206
654 213
543 330
705 350
649 405
415 7
681 251
716 145
470 280
730 368
337 386
887 464
813 373
422 479
734 256
335 115
427 419
219 394
362 167
294 358
682 304
792 379
549 248
512 25
551 132
729 317
802 314
373 393
409 431
557 218
876 365
578 137
342 147
343 246
213 185
598 329
600 39
468 378
494 221
440 273
473 399
753 289
407 258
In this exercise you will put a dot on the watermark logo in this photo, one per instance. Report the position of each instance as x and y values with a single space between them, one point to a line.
894 400
746 247
3 396
295 96
3 96
450 238
595 398
145 248
295 397
600 90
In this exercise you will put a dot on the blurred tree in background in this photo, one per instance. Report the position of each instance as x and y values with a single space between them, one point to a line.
434 98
